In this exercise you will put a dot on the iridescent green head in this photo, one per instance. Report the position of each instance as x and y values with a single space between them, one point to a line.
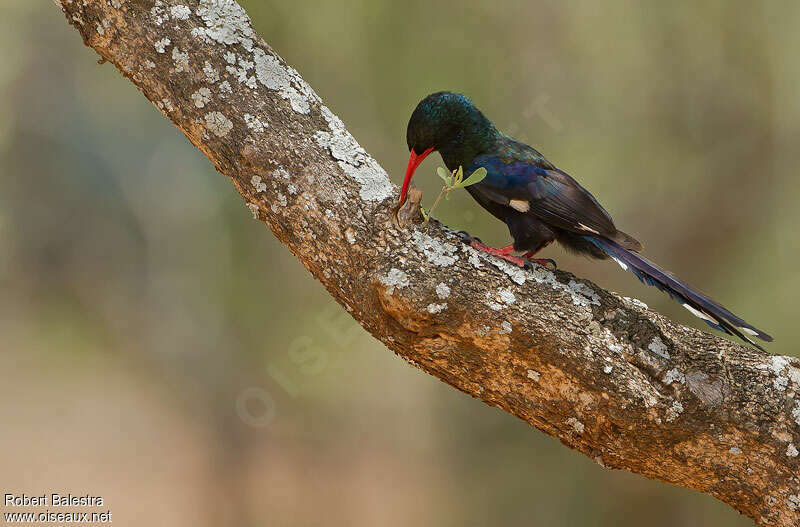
450 124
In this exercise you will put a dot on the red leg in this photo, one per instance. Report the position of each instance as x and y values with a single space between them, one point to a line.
541 261
502 252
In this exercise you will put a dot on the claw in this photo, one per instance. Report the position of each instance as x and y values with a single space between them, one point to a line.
544 262
466 238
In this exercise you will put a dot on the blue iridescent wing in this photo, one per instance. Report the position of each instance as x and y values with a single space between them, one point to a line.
548 193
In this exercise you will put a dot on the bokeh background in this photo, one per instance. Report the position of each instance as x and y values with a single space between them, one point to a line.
155 340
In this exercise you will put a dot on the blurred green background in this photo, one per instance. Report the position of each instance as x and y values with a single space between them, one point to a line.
161 349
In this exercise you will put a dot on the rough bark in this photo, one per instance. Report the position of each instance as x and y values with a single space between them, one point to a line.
622 384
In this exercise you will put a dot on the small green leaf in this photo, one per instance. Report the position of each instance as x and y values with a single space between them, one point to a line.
443 173
424 215
475 177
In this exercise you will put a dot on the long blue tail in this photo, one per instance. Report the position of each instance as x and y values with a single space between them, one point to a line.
696 302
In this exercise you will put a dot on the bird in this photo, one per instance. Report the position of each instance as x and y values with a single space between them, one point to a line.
540 203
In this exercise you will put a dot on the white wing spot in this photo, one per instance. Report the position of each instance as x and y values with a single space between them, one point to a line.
520 205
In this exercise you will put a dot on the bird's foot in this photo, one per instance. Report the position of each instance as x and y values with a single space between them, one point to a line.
544 262
466 238
502 252
526 260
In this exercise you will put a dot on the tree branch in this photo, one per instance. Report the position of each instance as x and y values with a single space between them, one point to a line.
605 375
